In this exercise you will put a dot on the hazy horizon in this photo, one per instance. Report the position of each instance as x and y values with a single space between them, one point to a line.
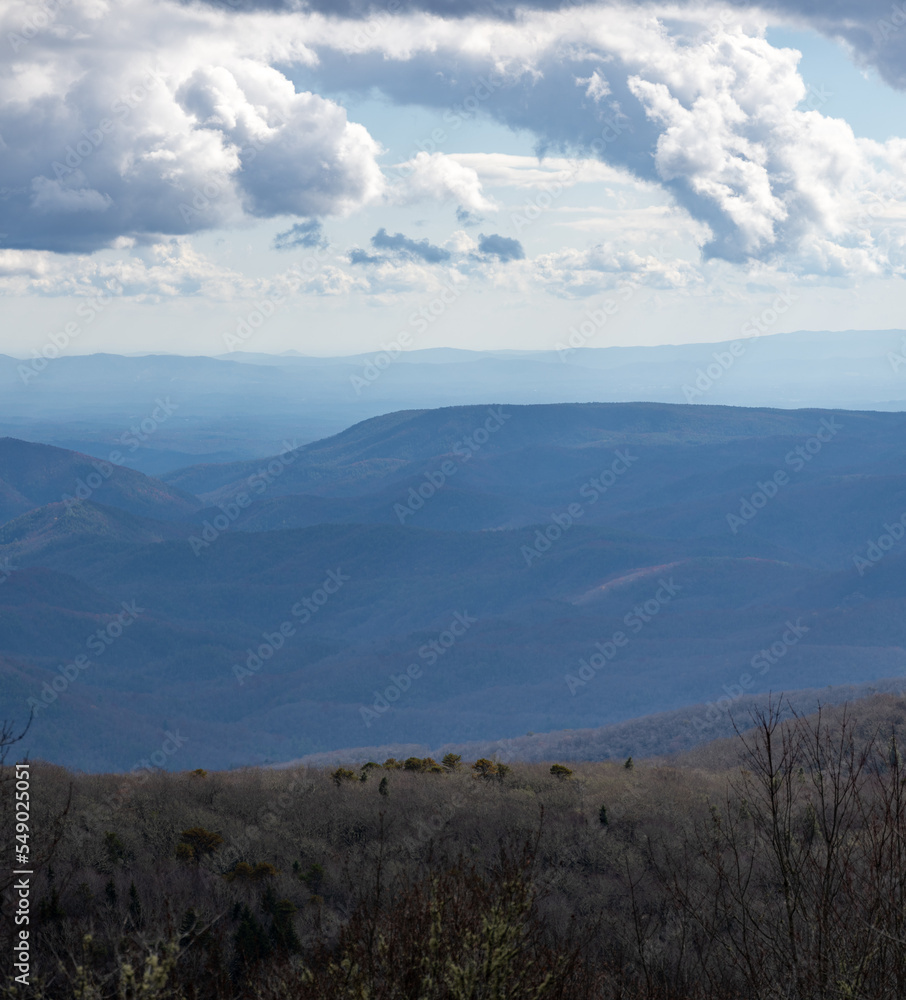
269 176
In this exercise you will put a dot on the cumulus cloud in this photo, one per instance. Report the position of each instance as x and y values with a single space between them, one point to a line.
574 273
170 268
359 256
466 218
303 234
188 129
439 177
502 247
680 97
418 249
196 127
174 268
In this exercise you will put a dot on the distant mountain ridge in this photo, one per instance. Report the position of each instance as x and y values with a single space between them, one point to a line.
243 405
454 575
36 474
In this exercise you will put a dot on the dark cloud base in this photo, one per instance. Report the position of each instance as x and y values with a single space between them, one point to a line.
502 247
302 234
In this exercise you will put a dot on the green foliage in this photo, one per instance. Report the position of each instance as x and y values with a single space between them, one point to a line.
560 771
484 768
422 764
197 842
452 762
602 815
313 877
629 765
384 787
342 774
185 852
244 872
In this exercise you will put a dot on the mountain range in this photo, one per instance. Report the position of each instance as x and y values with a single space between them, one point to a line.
166 412
451 575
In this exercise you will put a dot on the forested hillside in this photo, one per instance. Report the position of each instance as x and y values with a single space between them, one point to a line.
769 864
449 576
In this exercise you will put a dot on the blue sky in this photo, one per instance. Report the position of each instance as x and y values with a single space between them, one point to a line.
698 160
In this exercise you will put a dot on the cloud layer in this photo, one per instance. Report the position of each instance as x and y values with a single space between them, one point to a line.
129 122
133 120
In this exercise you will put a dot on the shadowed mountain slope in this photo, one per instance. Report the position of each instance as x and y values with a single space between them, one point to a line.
464 574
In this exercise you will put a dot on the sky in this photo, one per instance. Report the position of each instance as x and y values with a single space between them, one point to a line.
340 177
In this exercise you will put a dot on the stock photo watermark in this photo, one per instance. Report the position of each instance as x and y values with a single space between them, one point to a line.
97 643
431 652
302 612
92 139
57 343
132 439
591 492
593 322
797 459
634 620
897 359
40 16
144 768
876 548
258 482
426 314
760 664
464 449
894 22
266 308
755 326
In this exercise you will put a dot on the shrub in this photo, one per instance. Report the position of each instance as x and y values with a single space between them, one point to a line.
197 842
342 774
485 769
244 872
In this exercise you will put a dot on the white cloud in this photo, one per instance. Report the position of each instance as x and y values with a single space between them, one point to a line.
510 170
574 273
149 117
169 269
439 177
704 107
138 119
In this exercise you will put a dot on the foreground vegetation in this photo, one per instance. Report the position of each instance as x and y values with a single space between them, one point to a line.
773 866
